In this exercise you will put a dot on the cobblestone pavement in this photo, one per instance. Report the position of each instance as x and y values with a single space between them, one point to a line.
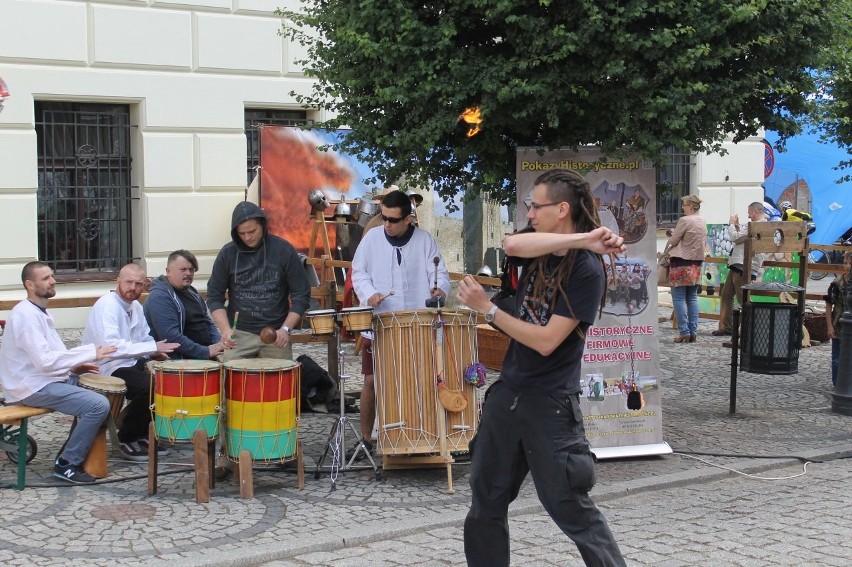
670 510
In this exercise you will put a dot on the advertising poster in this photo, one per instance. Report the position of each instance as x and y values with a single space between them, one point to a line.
292 163
621 390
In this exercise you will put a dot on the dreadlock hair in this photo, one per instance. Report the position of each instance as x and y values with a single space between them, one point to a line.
563 185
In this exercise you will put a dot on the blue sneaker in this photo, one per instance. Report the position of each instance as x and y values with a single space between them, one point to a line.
72 473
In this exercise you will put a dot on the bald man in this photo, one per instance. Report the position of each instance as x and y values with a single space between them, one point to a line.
117 319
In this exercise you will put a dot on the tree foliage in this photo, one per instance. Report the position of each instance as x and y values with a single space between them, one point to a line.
833 103
641 74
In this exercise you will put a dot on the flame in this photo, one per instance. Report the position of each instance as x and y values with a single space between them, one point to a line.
292 166
473 118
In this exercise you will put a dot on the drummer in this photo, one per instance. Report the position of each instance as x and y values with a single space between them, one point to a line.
36 368
265 284
117 319
176 312
402 259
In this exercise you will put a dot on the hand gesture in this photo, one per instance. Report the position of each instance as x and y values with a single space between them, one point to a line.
104 351
215 349
85 368
604 241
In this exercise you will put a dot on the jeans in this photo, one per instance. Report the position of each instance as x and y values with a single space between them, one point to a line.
835 358
542 435
685 302
91 409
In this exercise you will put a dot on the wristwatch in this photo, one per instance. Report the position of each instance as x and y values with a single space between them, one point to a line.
489 317
285 328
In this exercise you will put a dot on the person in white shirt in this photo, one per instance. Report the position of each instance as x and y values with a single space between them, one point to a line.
401 258
36 369
117 319
733 286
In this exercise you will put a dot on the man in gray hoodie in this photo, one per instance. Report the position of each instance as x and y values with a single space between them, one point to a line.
175 311
266 286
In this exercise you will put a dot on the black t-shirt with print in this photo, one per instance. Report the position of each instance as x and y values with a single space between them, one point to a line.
524 369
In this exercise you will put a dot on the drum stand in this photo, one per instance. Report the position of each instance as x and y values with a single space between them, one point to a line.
337 437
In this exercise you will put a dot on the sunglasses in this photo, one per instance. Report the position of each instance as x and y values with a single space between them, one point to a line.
392 220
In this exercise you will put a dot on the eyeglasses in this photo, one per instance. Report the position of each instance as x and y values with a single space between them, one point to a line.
392 220
537 206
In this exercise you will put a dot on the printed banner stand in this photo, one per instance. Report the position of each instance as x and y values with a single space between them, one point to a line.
620 399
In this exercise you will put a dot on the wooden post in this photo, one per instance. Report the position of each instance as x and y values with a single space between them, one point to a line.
246 479
202 466
152 460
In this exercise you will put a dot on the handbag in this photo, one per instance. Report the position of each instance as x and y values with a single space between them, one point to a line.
663 263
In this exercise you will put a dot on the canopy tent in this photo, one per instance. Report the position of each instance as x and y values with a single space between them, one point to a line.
807 163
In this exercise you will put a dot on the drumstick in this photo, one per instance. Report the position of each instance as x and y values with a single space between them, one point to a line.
234 328
385 296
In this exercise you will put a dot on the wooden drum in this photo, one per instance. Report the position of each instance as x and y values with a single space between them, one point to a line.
262 408
114 389
408 351
187 398
321 320
357 318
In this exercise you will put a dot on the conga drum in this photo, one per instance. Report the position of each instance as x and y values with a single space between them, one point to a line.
411 351
321 320
262 408
114 389
187 398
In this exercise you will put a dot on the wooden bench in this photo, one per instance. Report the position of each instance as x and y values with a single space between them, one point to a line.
18 415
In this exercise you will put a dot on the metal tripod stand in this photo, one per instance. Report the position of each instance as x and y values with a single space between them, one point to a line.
336 444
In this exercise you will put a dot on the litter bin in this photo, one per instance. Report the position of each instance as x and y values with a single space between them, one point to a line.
771 332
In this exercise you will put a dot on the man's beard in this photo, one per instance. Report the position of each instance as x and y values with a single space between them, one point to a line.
47 294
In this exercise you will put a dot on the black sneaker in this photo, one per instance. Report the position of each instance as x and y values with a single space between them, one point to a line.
132 451
72 473
359 453
161 450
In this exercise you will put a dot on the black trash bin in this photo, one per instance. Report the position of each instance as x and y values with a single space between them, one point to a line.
771 332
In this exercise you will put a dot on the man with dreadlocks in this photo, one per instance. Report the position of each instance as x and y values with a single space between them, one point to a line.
531 419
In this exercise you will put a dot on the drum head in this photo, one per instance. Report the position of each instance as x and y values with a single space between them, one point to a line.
102 383
320 313
186 365
258 364
364 309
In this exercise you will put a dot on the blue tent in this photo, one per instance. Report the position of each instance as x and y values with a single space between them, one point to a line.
808 160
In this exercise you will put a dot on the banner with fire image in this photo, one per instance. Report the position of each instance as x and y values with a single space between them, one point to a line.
294 162
620 395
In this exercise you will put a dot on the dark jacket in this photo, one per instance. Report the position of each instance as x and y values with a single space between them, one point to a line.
167 319
264 283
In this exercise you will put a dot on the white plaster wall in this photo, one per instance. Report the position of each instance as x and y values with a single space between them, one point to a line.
188 69
728 183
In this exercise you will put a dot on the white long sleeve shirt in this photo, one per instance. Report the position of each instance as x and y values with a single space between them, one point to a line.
408 271
114 322
32 355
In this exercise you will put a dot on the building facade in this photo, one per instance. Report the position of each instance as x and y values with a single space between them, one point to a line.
127 135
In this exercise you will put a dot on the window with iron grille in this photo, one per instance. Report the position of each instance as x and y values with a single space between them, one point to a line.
255 118
84 189
672 185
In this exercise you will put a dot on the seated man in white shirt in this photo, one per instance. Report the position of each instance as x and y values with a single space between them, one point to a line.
117 319
36 370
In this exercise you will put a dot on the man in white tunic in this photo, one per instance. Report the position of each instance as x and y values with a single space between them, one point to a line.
117 319
36 370
402 259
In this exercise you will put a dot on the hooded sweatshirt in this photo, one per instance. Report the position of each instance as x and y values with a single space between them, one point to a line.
263 283
166 312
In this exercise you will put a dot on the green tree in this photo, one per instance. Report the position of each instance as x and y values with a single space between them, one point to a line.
552 73
833 113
